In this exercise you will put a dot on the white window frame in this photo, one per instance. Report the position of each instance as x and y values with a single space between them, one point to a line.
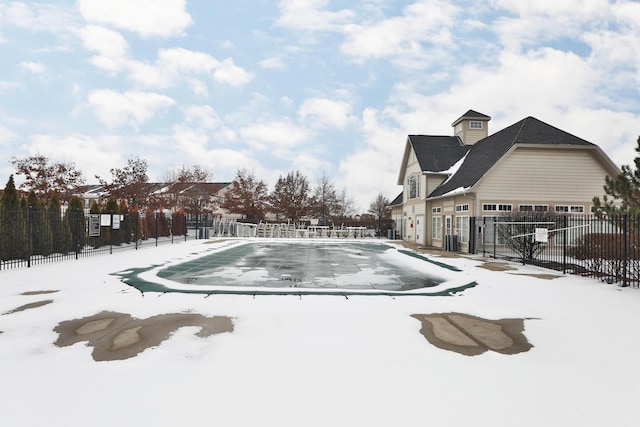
475 124
540 208
562 208
436 227
436 210
525 208
462 208
462 228
497 207
412 178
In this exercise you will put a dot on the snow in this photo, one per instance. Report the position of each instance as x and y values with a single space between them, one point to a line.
319 360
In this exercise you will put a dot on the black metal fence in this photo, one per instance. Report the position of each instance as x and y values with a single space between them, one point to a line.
603 248
31 236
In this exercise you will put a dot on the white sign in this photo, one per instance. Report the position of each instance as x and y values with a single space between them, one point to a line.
116 222
105 220
542 235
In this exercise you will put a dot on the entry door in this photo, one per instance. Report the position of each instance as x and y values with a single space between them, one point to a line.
447 225
420 229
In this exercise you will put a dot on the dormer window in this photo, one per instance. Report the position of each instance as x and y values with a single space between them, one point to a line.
475 124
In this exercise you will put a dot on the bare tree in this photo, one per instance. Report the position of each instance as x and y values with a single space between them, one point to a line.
290 197
129 183
324 204
188 188
381 211
44 177
247 196
346 205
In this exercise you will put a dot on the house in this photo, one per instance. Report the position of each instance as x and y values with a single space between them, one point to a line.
200 197
529 166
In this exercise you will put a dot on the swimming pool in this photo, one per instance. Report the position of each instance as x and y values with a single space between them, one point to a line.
298 266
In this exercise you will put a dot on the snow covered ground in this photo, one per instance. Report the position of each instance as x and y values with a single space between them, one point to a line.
318 360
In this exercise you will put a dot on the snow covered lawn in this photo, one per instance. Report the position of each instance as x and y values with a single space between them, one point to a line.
318 360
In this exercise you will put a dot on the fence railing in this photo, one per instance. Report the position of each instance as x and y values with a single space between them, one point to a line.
31 236
604 248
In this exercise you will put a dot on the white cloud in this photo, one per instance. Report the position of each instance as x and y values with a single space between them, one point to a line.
33 67
423 24
134 107
202 115
272 63
37 16
274 135
110 46
6 135
311 15
149 18
92 155
231 74
326 112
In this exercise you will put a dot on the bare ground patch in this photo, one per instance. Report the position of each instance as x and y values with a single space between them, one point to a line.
118 336
471 336
29 306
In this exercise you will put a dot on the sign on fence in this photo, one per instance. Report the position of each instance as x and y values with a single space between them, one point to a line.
542 235
94 225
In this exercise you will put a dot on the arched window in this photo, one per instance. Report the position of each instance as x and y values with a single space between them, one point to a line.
414 187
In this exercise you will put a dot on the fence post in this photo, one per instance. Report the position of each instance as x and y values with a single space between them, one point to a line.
157 228
111 233
495 236
625 231
564 245
29 235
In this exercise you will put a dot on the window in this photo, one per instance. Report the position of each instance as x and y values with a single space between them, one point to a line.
462 208
525 208
541 208
475 124
436 227
496 207
571 209
414 187
462 228
458 127
436 210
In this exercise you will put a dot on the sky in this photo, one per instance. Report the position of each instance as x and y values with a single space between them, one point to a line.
317 360
326 87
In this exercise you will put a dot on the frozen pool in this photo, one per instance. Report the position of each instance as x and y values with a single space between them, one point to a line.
274 266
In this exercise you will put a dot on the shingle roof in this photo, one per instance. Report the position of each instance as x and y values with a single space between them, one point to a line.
486 152
397 201
471 114
437 153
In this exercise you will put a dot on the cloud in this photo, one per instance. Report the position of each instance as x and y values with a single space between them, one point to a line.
277 134
326 112
148 18
231 74
134 107
423 24
109 45
33 67
92 155
273 63
310 15
37 16
6 135
172 65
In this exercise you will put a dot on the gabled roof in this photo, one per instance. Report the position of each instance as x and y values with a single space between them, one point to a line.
471 114
484 154
397 201
437 153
